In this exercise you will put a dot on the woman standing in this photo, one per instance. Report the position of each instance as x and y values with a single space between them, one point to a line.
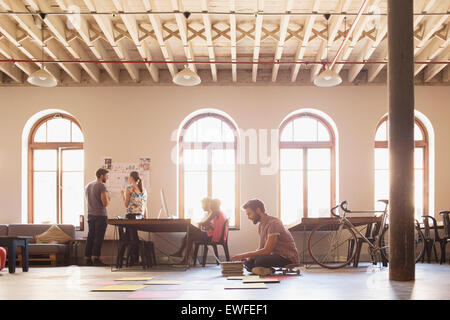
135 200
135 197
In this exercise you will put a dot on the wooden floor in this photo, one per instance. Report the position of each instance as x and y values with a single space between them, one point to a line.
74 282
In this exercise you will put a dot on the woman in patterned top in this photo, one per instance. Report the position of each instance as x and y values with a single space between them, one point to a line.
135 197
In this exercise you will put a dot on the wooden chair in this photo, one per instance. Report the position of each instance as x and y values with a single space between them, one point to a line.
223 242
446 218
371 233
431 235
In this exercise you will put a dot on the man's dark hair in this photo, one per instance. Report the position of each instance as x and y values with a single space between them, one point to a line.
253 204
101 172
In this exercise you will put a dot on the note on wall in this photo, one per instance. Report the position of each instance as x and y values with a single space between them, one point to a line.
120 171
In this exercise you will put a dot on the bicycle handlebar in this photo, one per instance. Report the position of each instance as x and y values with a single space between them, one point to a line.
332 211
343 206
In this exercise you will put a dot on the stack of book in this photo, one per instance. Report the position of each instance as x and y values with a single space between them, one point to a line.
232 269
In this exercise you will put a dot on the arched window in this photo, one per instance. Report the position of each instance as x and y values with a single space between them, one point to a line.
307 176
421 167
55 170
208 166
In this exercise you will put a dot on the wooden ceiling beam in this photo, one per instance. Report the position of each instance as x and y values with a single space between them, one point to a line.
307 32
24 44
358 31
431 25
96 47
284 24
257 43
433 69
427 6
11 70
157 27
57 27
133 29
434 48
233 39
335 23
182 31
27 23
209 42
12 52
368 50
105 24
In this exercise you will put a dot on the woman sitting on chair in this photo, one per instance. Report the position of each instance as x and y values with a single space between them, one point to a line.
212 223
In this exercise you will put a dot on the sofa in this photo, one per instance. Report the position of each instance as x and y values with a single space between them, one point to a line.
3 229
53 253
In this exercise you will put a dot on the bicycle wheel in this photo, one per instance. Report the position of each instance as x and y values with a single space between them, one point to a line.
419 243
332 245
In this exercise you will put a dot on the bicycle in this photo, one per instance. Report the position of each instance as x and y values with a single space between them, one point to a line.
331 244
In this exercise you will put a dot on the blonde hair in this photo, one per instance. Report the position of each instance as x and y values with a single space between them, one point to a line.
215 204
206 200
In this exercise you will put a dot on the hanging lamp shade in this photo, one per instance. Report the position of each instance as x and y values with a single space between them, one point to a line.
187 77
328 78
42 78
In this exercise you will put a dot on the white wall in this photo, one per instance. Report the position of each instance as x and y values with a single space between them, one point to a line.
129 122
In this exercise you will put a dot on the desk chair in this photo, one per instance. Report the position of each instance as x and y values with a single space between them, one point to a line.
431 238
223 242
134 249
446 217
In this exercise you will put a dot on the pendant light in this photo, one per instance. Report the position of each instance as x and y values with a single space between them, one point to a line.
327 78
187 78
42 78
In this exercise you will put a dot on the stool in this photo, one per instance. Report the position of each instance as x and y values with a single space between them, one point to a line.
11 243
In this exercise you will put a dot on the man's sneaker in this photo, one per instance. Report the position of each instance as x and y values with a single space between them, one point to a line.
88 262
98 263
261 271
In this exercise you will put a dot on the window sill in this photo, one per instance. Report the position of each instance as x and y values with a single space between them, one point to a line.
234 228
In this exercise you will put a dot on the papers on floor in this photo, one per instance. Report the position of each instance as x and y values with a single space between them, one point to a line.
246 286
243 277
161 282
120 287
135 279
261 280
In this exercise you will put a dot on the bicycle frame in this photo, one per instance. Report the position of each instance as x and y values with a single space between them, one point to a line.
343 219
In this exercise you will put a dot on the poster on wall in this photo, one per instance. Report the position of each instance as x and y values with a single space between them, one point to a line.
106 163
120 171
144 164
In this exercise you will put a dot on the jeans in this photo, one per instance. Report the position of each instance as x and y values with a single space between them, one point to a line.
267 261
96 234
131 233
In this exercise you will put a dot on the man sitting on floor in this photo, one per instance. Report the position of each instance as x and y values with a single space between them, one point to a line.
276 246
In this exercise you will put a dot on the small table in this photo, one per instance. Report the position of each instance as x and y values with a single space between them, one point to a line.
11 243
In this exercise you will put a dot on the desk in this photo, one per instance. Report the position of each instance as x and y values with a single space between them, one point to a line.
308 224
11 243
159 225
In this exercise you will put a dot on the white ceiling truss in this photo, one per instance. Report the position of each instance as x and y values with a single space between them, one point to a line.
227 42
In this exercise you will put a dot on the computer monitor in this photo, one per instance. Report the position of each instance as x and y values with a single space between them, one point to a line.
164 206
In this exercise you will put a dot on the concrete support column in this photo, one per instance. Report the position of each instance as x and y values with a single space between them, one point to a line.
401 139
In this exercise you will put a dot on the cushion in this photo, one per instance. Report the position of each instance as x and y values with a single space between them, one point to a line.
35 229
53 235
3 229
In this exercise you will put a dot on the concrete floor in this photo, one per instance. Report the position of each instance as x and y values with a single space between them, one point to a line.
75 282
